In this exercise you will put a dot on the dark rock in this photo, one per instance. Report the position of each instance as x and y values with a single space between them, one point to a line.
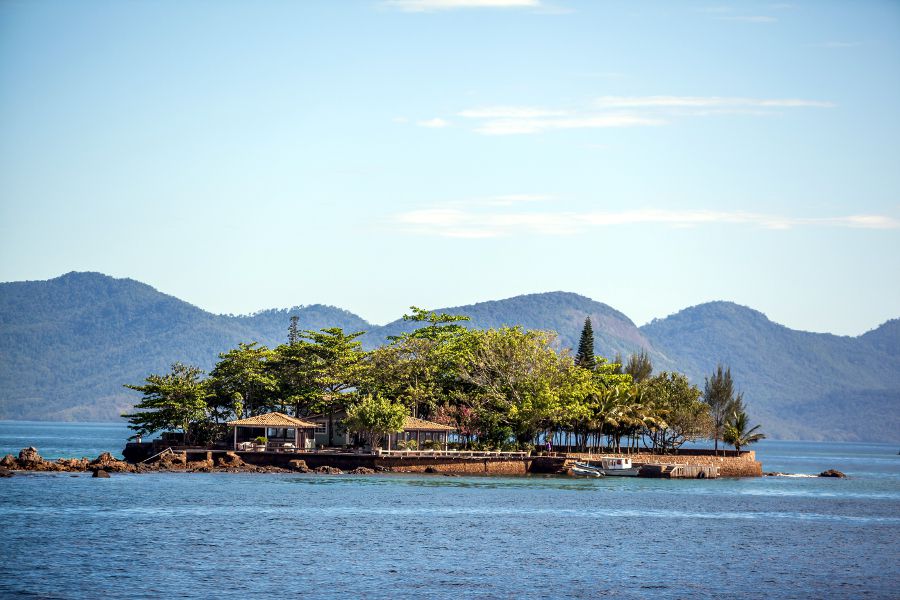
328 470
104 459
831 473
8 462
450 475
381 469
29 456
362 471
73 464
431 470
5 472
230 460
299 466
101 474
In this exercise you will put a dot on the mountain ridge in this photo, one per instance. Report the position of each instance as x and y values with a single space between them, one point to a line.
68 344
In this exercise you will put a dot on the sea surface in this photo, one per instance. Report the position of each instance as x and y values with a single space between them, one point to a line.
225 535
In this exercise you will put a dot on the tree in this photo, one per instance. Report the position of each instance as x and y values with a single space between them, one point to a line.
516 379
678 403
737 433
584 358
639 366
334 368
176 400
374 418
718 394
420 368
242 380
294 330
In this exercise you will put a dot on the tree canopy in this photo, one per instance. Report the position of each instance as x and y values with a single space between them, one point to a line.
499 388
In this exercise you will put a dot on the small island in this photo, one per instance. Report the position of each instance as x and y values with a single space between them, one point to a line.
441 398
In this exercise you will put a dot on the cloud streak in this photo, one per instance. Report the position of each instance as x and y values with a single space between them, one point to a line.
436 123
623 111
706 102
461 223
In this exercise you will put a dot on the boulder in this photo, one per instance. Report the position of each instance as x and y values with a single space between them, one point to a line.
299 466
28 457
328 470
101 474
831 473
8 462
5 472
108 462
229 460
381 469
362 471
73 464
431 470
104 459
172 460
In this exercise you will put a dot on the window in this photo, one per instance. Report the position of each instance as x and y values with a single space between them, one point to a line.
321 427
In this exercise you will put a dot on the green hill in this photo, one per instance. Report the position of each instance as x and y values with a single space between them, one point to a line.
799 384
68 344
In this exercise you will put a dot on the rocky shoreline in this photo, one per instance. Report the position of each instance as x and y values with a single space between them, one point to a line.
30 460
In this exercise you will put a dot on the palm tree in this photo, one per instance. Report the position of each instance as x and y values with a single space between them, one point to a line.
736 432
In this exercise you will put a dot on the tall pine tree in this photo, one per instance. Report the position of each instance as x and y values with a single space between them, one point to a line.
585 356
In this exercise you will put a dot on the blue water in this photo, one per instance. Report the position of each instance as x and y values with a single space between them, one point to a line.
397 536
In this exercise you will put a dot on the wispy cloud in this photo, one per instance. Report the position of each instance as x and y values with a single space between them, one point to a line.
524 126
436 123
438 5
706 102
622 111
461 223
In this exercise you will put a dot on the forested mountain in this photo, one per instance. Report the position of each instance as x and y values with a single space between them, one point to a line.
68 344
799 384
561 312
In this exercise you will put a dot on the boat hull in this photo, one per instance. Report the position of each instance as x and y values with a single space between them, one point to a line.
633 472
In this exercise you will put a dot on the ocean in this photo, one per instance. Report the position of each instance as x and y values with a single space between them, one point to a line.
428 536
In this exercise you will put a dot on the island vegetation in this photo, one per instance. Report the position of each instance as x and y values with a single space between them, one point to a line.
501 388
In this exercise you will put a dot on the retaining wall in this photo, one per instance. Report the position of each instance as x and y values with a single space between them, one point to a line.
736 465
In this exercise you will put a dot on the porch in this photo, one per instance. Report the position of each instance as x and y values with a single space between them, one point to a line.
282 433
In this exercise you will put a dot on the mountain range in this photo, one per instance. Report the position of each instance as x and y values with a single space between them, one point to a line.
68 344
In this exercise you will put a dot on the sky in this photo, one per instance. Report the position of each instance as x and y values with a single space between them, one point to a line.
377 154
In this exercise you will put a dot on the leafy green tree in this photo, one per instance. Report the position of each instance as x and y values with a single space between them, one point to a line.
374 418
420 368
516 379
176 400
738 432
718 394
639 366
242 381
584 358
678 403
334 368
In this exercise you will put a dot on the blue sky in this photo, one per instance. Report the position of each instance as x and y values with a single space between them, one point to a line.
377 154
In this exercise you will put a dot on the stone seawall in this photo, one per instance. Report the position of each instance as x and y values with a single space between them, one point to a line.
436 464
743 465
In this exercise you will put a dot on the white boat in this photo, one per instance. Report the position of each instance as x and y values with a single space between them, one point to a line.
616 467
589 472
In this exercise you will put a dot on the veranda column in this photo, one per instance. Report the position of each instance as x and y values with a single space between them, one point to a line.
235 438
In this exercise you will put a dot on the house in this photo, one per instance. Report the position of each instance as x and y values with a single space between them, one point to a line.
282 432
420 430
